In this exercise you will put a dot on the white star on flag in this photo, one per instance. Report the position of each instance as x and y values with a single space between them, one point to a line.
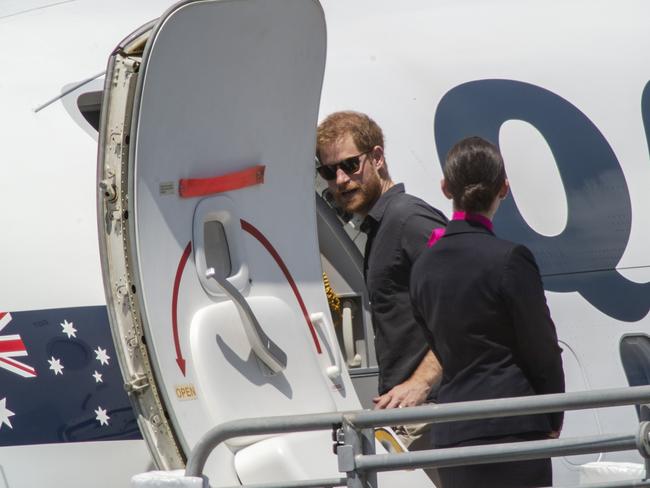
5 413
102 357
56 366
98 377
68 329
101 416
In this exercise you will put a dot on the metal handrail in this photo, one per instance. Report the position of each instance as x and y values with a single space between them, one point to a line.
322 483
502 407
608 484
355 421
513 451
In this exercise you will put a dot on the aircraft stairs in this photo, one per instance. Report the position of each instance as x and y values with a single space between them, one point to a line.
353 436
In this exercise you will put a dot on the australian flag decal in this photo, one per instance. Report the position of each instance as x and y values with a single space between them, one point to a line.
59 379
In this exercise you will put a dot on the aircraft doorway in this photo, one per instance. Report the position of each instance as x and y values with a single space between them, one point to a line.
341 245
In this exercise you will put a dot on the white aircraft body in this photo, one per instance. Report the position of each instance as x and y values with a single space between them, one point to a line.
205 150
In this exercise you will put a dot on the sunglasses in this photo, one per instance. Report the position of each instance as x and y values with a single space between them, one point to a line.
348 165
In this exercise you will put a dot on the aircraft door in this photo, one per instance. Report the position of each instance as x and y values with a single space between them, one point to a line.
208 221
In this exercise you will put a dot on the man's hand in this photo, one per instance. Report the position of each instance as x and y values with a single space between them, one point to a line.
413 391
410 393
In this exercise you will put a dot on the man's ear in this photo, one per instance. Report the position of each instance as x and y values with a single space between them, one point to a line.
377 155
503 192
445 189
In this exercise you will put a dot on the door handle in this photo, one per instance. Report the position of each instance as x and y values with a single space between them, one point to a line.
333 371
264 348
353 360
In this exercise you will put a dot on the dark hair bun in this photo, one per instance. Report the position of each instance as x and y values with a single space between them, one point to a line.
474 173
476 197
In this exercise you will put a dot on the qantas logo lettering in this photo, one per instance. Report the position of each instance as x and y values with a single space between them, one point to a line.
584 256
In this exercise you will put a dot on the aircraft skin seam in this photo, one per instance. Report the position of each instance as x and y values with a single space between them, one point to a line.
600 270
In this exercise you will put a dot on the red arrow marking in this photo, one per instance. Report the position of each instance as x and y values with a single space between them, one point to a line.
269 247
177 283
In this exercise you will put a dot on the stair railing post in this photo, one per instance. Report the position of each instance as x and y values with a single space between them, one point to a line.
368 447
643 445
353 443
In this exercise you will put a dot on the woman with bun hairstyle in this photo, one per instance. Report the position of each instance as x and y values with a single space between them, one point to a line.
481 303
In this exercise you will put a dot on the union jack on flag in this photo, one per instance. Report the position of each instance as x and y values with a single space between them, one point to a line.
12 346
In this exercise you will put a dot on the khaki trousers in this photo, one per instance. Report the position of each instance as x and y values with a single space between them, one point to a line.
416 438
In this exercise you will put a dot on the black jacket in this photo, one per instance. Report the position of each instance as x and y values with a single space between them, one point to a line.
481 302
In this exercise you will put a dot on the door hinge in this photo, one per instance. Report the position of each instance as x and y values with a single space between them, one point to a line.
137 384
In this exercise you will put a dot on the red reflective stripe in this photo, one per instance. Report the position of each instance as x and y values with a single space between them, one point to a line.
269 247
197 187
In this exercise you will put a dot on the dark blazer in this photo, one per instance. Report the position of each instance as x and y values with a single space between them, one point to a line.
481 302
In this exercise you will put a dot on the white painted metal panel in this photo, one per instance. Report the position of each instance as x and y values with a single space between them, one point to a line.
224 87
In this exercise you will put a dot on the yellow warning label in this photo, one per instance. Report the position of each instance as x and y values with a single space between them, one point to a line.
186 392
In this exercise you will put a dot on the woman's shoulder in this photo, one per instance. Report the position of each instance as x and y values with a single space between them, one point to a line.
510 245
517 255
506 250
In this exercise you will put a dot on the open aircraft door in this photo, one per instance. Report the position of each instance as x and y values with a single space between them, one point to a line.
207 225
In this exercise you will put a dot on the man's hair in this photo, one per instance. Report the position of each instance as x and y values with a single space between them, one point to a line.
365 132
475 173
